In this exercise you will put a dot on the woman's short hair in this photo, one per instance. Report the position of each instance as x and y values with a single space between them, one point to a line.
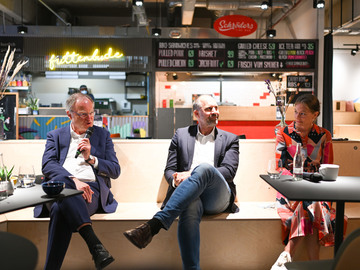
309 100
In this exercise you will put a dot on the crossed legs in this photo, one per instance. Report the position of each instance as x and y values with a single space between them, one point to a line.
68 216
204 192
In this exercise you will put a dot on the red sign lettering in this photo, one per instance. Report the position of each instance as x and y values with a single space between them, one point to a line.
235 25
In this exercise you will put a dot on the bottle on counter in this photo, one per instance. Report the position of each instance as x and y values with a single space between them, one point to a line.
13 82
24 80
18 81
298 163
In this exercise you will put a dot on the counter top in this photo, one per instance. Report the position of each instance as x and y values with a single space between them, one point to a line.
256 113
348 118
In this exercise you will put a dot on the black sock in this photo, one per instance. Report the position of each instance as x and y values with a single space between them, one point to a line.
88 234
155 226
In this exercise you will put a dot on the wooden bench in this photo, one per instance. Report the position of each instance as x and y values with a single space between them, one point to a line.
249 239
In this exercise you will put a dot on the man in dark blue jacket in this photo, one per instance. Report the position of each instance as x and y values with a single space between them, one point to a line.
89 171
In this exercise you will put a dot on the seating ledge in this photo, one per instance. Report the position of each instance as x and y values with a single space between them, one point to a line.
145 211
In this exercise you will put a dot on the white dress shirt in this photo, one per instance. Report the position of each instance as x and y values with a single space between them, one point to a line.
78 167
204 150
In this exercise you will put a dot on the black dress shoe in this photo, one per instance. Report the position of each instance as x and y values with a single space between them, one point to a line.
140 236
101 257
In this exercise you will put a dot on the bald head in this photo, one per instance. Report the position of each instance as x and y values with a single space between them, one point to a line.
201 100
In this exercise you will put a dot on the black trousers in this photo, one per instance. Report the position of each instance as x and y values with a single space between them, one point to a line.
65 217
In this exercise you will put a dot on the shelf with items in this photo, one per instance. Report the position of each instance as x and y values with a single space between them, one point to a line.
24 88
21 84
136 86
20 81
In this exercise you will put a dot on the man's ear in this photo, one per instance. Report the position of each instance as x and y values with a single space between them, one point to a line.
69 114
196 113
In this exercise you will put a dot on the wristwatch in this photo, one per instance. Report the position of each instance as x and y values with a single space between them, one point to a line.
90 158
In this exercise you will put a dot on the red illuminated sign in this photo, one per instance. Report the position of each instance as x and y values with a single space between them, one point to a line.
235 25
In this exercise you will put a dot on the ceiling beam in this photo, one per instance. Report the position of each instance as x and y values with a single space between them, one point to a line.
10 12
187 11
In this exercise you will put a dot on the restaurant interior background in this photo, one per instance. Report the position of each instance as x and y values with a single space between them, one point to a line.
121 20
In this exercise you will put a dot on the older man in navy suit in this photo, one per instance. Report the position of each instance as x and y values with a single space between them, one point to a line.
84 163
202 163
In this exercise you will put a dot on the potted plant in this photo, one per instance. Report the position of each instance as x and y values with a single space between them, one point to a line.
33 104
136 132
5 175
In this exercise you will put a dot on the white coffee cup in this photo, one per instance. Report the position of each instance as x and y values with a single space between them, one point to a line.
329 171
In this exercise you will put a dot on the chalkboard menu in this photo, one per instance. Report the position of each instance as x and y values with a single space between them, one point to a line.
16 43
9 115
299 82
235 55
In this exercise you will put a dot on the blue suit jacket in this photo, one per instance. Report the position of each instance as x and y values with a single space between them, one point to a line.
181 153
56 149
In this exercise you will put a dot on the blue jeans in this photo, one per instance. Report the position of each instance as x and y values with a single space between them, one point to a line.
204 192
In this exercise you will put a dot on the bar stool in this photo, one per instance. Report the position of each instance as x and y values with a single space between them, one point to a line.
17 252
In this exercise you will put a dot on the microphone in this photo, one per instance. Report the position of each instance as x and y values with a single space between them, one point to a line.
88 134
314 177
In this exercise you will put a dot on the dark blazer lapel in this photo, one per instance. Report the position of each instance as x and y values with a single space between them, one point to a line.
191 144
218 146
64 143
93 141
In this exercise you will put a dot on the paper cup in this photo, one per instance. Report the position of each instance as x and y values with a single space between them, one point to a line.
329 171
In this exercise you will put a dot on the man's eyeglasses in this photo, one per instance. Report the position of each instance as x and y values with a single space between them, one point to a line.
84 115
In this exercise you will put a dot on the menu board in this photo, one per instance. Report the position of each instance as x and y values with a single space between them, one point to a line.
235 55
16 43
299 82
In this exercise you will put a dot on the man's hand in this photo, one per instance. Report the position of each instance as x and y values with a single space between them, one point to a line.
87 195
180 176
85 147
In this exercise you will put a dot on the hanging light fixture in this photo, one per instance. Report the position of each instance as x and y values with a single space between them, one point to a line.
271 33
354 51
156 31
22 29
266 4
138 3
318 4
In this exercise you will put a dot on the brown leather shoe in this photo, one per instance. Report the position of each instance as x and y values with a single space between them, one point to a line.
140 236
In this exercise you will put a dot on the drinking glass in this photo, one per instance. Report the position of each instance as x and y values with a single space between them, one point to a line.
3 190
274 169
26 176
